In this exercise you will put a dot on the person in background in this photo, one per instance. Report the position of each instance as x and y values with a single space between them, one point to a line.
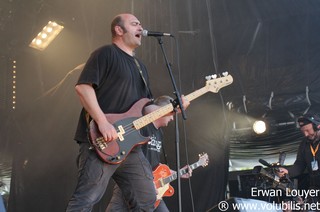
152 150
308 156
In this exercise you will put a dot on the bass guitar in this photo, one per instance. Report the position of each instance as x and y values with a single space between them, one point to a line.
129 123
162 177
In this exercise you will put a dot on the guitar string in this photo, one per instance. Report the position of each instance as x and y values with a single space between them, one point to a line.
131 126
128 129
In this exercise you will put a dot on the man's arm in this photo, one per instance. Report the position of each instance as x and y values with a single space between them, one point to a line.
89 101
299 165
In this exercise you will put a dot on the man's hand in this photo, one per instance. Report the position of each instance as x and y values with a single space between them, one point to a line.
282 172
108 131
186 175
185 102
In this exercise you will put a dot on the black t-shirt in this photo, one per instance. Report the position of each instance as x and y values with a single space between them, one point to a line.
117 82
303 161
152 150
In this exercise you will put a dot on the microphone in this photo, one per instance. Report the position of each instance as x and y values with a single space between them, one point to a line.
275 166
146 33
282 157
263 162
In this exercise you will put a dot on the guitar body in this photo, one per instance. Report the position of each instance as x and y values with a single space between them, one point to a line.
162 177
166 190
116 151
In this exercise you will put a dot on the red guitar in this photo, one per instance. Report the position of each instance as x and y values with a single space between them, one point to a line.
129 123
162 177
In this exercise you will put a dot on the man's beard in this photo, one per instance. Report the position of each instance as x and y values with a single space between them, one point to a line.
314 138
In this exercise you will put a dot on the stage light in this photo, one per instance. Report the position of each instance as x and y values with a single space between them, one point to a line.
14 76
259 127
46 36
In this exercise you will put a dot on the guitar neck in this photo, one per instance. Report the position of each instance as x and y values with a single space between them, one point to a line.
196 94
212 85
147 119
182 171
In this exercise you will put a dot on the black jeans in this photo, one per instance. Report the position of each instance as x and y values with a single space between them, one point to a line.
133 176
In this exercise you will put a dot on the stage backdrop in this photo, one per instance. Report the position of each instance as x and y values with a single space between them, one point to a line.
270 48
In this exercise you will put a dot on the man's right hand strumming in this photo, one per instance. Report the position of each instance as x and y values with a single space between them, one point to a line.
108 131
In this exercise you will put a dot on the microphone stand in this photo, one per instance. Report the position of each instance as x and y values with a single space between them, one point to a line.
178 102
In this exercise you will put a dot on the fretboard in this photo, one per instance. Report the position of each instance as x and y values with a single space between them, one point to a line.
147 119
182 171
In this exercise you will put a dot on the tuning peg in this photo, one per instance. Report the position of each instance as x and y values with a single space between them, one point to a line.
225 74
214 76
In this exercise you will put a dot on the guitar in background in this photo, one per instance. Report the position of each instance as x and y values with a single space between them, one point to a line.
163 176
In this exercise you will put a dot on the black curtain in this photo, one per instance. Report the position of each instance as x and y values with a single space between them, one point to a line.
266 46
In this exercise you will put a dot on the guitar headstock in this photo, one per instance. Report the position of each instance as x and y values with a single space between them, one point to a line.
203 159
214 83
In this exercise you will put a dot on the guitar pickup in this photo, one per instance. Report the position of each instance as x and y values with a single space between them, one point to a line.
121 132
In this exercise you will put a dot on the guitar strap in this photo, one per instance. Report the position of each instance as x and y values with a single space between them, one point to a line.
144 80
88 118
